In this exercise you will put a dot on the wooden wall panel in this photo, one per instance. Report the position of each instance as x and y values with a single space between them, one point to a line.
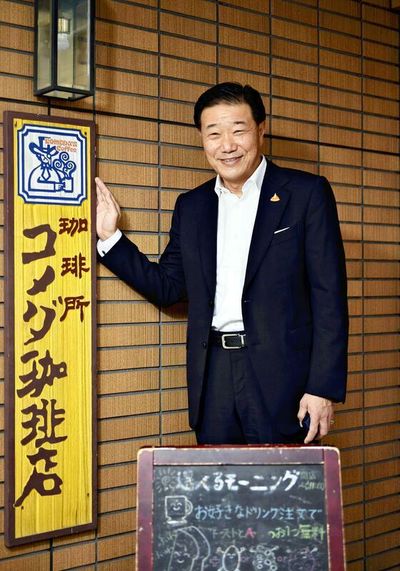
329 74
187 27
254 42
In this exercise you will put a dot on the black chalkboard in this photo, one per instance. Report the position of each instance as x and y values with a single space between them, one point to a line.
238 509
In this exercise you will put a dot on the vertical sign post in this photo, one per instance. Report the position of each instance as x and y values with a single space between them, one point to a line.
50 327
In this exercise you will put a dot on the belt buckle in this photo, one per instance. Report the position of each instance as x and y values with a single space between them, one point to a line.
225 335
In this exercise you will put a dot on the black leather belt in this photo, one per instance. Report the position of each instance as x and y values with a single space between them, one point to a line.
234 340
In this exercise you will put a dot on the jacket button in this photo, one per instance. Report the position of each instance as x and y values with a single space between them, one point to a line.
204 345
211 303
246 301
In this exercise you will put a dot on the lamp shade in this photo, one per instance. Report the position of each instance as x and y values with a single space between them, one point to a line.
64 48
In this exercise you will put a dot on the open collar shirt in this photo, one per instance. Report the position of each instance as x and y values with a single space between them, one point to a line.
236 217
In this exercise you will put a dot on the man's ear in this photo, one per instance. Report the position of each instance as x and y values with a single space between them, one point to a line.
262 129
200 135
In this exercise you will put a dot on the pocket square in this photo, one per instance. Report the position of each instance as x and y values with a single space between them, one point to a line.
281 230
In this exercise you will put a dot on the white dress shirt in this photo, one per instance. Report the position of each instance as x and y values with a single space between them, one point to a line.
236 217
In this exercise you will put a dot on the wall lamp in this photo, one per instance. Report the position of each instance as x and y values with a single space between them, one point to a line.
64 48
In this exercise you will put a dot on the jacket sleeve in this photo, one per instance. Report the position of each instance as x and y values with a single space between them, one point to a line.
326 272
161 283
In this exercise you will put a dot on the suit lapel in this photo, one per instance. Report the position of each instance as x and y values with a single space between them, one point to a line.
207 236
269 214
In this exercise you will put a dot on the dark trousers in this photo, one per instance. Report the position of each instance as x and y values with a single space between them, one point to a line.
233 410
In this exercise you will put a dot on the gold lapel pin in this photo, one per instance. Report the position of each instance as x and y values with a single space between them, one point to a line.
275 198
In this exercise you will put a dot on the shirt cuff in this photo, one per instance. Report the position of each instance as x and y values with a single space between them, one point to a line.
104 246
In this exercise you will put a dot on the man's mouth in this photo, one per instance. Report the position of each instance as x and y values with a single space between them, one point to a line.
230 160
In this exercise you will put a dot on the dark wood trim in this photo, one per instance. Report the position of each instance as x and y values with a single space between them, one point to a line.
9 369
93 210
334 515
144 510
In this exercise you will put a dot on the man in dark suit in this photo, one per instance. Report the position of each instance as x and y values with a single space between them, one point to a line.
257 252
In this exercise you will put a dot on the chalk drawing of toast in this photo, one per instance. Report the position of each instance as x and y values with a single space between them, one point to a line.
191 550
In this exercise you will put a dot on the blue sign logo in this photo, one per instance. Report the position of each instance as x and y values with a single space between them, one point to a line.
52 165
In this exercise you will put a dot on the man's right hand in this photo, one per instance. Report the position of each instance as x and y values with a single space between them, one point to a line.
108 211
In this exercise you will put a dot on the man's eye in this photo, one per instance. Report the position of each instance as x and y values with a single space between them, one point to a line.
239 132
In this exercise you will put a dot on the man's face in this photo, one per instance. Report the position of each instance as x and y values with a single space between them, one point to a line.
232 141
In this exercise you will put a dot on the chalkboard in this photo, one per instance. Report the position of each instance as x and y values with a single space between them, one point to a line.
239 509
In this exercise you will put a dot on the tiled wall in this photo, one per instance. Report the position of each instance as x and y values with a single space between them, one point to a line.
329 74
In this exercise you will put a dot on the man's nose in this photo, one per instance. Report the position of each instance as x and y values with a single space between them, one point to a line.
228 143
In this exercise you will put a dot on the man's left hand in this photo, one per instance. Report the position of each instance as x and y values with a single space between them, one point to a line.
321 415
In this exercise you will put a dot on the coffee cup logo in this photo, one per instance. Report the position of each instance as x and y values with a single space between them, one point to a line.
177 508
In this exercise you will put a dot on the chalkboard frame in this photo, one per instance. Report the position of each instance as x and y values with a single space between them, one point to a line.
150 458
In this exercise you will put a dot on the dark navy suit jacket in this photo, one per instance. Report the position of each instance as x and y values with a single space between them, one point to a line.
294 299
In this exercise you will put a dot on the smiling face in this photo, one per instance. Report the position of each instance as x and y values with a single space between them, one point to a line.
232 141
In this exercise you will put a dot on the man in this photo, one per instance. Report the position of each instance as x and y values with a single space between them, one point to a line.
258 254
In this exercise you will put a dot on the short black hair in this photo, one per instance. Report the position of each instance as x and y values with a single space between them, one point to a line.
233 93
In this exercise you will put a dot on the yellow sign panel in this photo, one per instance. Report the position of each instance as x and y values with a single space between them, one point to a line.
50 317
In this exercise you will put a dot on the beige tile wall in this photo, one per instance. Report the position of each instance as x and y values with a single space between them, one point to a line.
329 74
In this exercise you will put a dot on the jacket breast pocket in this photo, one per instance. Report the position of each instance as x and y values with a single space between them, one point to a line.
284 235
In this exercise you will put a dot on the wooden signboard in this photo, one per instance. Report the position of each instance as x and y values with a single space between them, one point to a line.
50 345
239 509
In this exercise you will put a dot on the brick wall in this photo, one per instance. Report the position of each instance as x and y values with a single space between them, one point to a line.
329 74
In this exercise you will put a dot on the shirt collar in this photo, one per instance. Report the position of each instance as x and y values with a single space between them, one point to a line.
256 178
